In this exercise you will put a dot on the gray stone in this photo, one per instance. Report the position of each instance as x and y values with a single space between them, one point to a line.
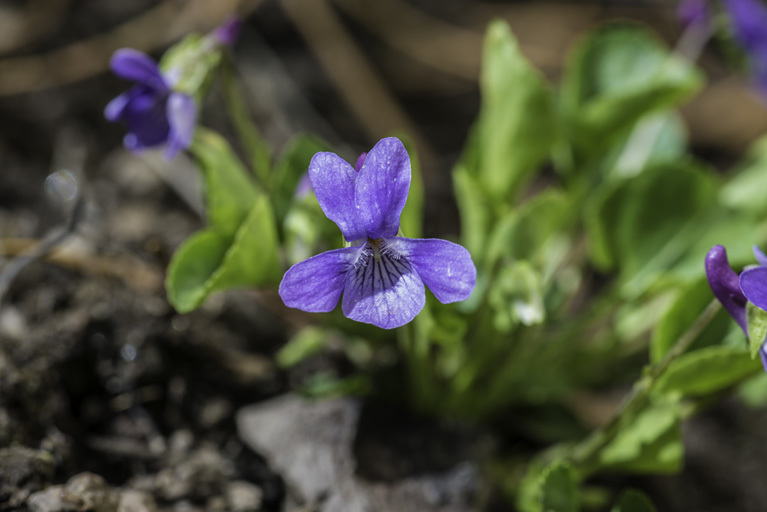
311 445
243 496
23 471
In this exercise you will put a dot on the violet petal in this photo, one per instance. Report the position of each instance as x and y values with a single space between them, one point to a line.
182 119
693 12
382 188
316 284
134 65
753 282
384 291
445 268
725 285
333 180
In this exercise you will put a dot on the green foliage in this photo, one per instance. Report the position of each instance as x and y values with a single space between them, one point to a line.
616 75
239 246
689 304
633 501
559 488
194 61
290 167
650 442
707 370
757 327
517 125
306 343
745 190
643 225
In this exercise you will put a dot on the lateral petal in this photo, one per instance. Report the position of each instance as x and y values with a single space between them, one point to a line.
333 181
316 284
382 187
445 268
385 292
182 118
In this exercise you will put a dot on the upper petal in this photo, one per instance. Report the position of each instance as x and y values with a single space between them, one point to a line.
724 283
382 187
316 284
753 282
182 118
384 291
333 181
445 268
134 65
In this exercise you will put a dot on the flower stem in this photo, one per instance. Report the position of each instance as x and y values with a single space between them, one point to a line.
247 132
585 453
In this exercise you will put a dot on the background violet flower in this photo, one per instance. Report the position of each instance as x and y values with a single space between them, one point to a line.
749 23
154 113
381 276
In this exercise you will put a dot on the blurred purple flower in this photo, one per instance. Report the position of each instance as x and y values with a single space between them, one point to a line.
380 275
228 32
749 23
154 113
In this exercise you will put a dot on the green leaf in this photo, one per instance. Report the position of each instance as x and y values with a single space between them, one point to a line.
303 345
707 371
559 488
411 219
687 307
475 211
648 443
229 191
655 140
522 233
618 74
643 225
633 501
745 190
211 261
516 296
290 168
517 123
757 327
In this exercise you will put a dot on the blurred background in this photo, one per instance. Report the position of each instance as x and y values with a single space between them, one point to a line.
99 377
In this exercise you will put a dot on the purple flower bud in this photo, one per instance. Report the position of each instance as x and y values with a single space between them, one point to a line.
227 33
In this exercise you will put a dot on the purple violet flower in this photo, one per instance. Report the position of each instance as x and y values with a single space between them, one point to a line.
749 22
154 113
380 275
